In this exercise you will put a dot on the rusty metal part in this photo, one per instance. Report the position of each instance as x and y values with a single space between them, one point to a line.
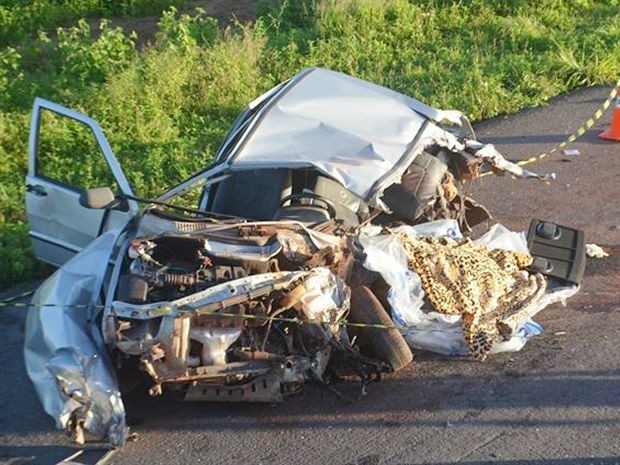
176 345
293 297
296 246
213 320
230 370
344 260
258 355
449 187
257 293
205 348
265 388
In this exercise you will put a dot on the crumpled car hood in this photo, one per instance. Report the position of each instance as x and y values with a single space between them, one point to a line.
65 355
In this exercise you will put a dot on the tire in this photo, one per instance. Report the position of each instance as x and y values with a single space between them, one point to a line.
386 345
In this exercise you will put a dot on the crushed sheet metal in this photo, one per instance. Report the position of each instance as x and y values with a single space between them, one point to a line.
153 225
253 285
360 134
64 353
323 120
490 155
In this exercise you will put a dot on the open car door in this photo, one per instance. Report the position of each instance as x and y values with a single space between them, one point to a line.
68 154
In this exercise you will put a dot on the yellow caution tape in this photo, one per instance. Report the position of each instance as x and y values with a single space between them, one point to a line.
16 297
164 310
598 114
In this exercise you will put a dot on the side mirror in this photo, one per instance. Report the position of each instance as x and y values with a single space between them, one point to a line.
99 197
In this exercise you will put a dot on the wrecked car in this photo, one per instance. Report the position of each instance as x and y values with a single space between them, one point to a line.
260 283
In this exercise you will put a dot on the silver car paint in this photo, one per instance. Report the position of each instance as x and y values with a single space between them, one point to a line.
59 226
64 352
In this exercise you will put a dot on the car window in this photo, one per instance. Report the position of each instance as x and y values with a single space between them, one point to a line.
239 126
68 153
234 139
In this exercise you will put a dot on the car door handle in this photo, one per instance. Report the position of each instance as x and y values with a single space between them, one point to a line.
36 189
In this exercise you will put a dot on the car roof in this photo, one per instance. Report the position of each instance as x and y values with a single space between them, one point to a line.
356 132
347 128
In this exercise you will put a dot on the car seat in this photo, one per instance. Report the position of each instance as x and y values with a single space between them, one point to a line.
253 194
346 205
349 207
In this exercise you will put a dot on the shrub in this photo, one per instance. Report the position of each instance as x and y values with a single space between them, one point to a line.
17 263
167 107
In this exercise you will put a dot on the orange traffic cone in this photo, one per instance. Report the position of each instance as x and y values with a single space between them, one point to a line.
613 133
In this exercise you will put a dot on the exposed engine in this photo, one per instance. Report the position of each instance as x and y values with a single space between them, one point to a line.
224 328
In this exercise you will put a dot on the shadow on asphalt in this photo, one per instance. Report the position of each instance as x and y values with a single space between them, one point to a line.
49 455
40 455
387 400
497 384
578 461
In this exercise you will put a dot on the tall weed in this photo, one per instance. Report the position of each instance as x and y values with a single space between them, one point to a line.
166 108
20 21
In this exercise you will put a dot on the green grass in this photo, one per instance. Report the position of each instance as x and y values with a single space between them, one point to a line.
21 19
166 108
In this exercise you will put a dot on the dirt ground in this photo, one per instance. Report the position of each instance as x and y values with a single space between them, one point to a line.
225 11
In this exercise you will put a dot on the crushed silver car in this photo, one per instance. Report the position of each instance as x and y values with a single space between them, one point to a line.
250 292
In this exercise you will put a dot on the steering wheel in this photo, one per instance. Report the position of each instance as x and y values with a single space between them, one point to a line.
325 204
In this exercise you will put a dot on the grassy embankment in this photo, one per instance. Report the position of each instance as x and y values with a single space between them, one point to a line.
166 107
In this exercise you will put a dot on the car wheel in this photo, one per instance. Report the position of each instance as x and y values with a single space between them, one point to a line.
387 345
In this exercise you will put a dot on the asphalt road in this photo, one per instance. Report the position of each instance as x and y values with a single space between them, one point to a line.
557 402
